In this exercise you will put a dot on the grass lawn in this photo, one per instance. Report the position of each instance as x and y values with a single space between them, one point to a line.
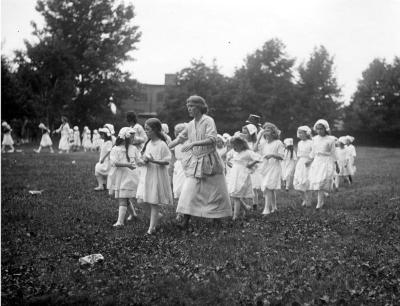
348 253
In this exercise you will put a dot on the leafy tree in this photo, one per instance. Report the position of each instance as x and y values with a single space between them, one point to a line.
264 84
207 82
75 66
375 105
318 94
10 106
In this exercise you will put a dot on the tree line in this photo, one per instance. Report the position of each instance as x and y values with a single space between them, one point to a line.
74 68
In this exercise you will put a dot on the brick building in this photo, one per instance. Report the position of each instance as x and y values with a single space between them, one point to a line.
151 98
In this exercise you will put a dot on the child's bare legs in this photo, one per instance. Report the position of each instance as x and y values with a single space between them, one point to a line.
274 207
236 208
38 149
131 209
268 194
100 182
121 212
154 218
306 198
321 199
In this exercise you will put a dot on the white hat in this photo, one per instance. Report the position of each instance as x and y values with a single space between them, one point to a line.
226 136
251 128
350 139
305 129
342 139
324 123
42 126
165 128
95 131
221 137
126 132
105 131
110 127
76 128
288 141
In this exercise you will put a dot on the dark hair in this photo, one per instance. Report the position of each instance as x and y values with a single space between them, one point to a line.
120 141
290 149
241 144
105 136
131 117
155 126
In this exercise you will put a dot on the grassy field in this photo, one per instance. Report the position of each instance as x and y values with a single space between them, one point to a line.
348 253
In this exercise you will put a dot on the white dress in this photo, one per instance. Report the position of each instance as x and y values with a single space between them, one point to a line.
97 141
7 139
271 169
342 156
64 140
288 165
77 139
178 177
140 134
255 175
86 142
122 182
104 168
154 184
301 174
352 155
239 179
45 141
322 169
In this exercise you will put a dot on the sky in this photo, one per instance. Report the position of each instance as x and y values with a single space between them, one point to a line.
176 31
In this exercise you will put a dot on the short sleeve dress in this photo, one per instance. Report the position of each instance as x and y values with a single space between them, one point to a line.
64 140
322 169
271 169
122 182
154 184
301 174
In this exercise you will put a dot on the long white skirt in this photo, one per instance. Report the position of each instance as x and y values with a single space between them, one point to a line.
301 179
207 197
271 172
239 182
64 143
321 174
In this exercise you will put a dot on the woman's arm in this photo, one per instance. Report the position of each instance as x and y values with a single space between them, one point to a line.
128 165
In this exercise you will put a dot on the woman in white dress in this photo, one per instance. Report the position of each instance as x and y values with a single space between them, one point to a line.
204 192
64 144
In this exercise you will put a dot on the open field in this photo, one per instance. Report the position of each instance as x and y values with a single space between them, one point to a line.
348 253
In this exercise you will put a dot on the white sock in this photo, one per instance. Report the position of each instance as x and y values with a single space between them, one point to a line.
121 214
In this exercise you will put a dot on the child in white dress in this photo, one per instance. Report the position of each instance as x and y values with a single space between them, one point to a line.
239 182
96 141
288 163
322 160
178 177
271 170
86 139
66 138
102 168
77 139
7 138
110 127
352 156
154 186
342 155
123 178
46 140
301 180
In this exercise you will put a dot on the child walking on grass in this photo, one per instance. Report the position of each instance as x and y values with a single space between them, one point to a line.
123 178
103 166
288 163
272 151
301 180
322 160
239 182
46 140
154 187
7 138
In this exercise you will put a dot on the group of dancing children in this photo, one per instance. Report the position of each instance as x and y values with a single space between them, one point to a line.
135 166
